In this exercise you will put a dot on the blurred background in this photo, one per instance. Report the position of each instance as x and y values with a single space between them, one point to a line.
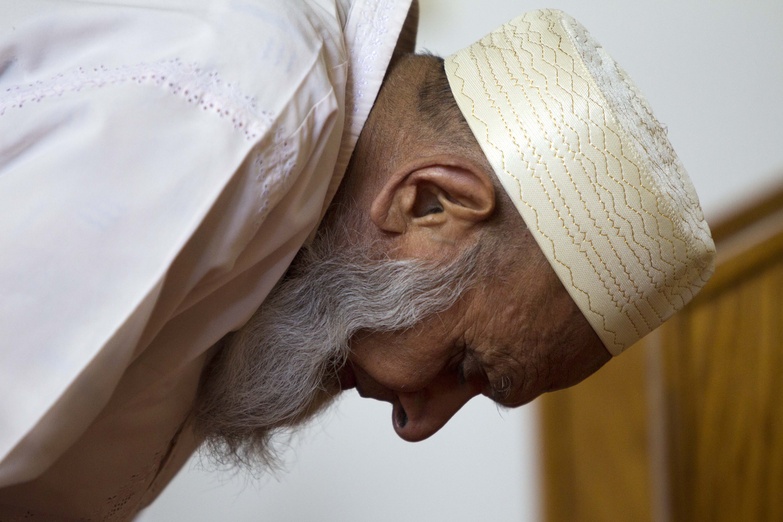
713 73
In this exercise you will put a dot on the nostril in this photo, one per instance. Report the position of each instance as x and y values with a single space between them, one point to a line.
400 416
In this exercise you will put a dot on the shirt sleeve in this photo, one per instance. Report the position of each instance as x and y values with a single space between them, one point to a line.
122 130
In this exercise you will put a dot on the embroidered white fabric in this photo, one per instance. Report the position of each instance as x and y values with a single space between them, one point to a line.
207 90
648 135
222 170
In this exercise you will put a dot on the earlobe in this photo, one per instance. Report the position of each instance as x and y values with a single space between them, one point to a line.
442 195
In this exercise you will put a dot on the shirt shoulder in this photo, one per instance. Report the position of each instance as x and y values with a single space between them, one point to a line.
124 125
262 51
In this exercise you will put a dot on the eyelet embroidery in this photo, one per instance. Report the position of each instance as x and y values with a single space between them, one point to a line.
188 81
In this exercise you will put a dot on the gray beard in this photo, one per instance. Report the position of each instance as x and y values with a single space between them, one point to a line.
281 367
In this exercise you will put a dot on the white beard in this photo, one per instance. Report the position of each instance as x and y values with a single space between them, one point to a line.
281 368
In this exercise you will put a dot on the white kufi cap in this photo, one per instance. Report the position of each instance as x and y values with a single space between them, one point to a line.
590 169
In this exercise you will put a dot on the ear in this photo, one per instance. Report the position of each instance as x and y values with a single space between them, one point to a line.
439 198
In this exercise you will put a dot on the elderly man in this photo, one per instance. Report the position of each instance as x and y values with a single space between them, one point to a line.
510 218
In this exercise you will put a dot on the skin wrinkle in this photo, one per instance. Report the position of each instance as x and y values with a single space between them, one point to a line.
504 356
477 293
519 185
503 229
265 380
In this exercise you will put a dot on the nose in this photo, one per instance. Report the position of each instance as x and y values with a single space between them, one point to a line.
421 414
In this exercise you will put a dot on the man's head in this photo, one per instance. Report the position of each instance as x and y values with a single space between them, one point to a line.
425 287
426 191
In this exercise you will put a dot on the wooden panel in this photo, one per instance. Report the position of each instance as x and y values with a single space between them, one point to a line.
596 446
691 430
746 252
724 403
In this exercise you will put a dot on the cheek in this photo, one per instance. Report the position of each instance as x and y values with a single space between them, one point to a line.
504 324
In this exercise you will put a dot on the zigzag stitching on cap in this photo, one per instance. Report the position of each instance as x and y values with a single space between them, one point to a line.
664 210
485 124
545 95
611 218
677 289
580 159
594 168
609 215
574 285
659 287
628 300
665 290
633 158
523 155
588 99
623 183
476 118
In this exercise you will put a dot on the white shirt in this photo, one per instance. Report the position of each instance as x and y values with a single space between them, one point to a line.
161 162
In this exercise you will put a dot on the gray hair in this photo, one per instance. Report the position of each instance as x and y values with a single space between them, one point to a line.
281 367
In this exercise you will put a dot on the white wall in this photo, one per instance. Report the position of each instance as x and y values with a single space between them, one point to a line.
713 72
354 468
